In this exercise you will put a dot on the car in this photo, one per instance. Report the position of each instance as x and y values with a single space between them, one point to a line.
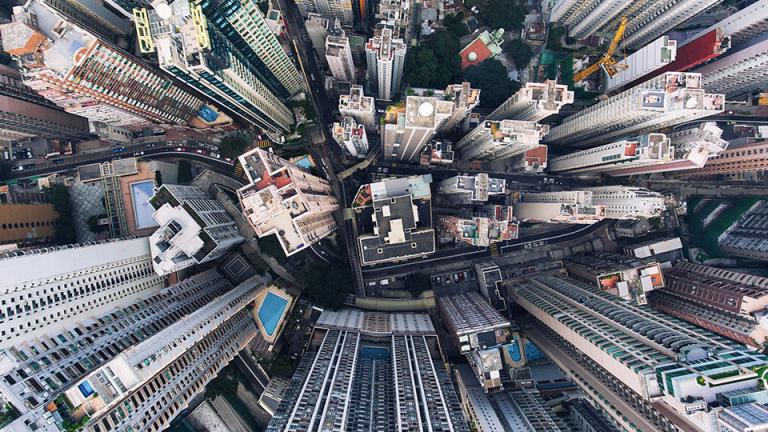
201 151
455 277
17 168
138 153
58 161
228 159
180 149
118 150
216 155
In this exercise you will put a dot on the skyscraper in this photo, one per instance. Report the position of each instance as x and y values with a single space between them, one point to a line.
534 102
24 113
87 76
666 100
360 107
590 205
243 24
726 302
351 136
340 9
339 56
495 140
750 157
388 373
647 59
407 129
747 237
740 71
645 150
194 229
645 369
284 200
385 56
211 64
649 20
137 358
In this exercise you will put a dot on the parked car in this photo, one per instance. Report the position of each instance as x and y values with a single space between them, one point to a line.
17 168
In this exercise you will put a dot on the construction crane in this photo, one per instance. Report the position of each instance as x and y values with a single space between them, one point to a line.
607 62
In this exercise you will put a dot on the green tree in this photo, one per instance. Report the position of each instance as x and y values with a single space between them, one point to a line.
420 67
327 285
417 283
454 23
519 51
436 64
233 145
506 14
158 178
58 195
490 77
445 45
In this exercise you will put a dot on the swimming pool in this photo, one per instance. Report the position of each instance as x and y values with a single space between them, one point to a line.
271 311
141 192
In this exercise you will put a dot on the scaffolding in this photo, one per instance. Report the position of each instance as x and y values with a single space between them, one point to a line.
113 201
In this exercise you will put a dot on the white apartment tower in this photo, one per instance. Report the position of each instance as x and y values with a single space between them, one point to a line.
318 27
351 137
194 229
494 140
649 20
339 56
285 200
645 60
340 9
360 107
534 102
386 57
408 129
139 361
645 150
666 100
738 73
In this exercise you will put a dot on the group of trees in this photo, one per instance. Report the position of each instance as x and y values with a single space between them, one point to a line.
434 64
233 145
490 77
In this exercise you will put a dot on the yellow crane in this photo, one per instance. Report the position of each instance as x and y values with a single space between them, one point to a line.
607 62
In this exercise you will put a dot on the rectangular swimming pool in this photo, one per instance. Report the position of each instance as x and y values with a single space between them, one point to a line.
141 192
271 311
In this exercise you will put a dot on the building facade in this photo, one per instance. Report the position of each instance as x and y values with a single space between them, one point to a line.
740 71
25 114
340 9
194 229
666 100
649 149
351 137
338 54
534 102
477 187
496 140
360 107
747 237
647 59
27 223
388 372
385 56
212 65
285 200
749 157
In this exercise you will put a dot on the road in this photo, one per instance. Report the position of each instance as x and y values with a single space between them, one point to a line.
571 232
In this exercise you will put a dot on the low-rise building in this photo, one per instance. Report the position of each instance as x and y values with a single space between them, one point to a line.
478 231
486 45
662 250
395 220
629 278
476 188
194 229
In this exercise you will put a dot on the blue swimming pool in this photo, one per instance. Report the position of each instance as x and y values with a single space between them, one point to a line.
141 192
270 312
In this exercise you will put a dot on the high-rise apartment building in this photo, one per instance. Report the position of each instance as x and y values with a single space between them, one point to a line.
648 149
90 77
534 102
401 211
287 201
339 9
495 140
194 229
741 26
360 107
407 129
385 56
647 59
212 64
748 236
750 157
464 98
243 24
645 369
387 374
339 56
476 188
692 147
726 302
649 20
740 72
589 205
351 137
135 361
663 101
318 27
25 114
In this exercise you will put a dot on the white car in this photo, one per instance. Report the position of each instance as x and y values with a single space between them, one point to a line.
17 168
216 155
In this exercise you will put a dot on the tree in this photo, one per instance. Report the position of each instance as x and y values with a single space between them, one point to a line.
420 66
58 195
233 145
445 45
519 52
185 171
454 23
506 14
327 285
490 77
158 178
417 283
436 64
